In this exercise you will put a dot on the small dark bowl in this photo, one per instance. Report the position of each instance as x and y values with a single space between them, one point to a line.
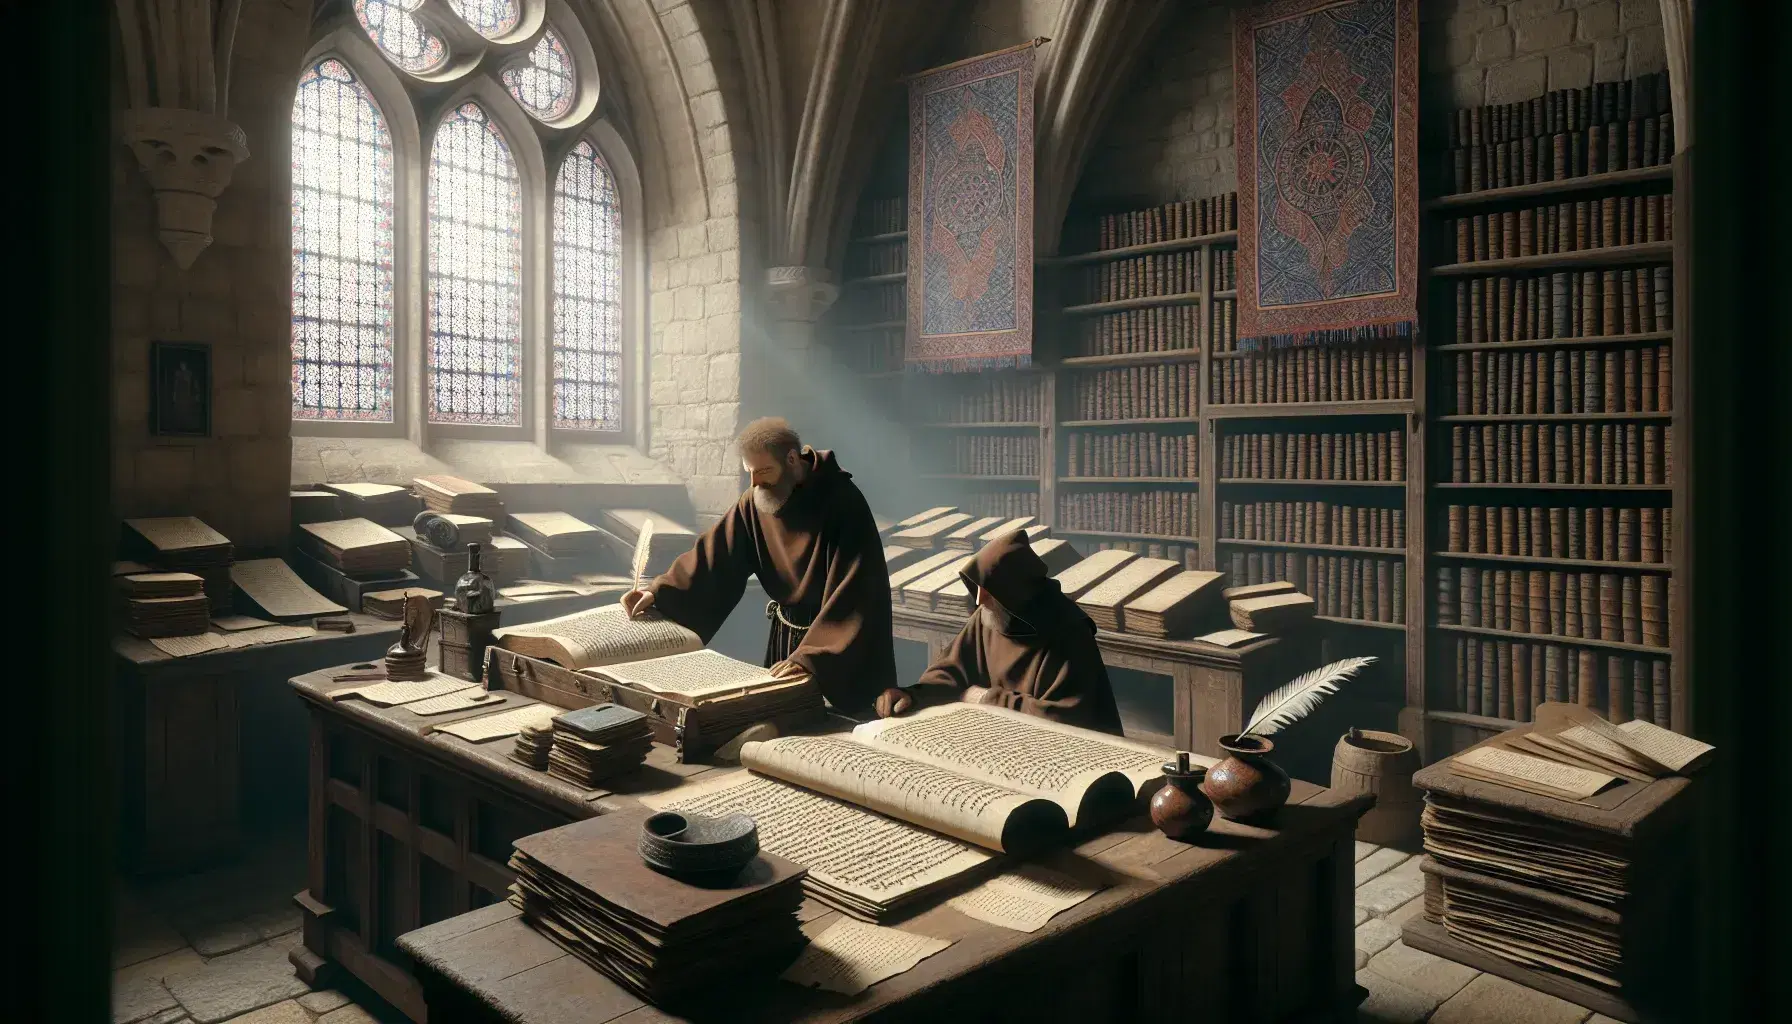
697 845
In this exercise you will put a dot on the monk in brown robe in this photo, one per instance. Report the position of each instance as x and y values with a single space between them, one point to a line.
1026 647
805 530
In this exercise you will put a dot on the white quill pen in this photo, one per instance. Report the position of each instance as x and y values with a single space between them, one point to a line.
643 544
1292 702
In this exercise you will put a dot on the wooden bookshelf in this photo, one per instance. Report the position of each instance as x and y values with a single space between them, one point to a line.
1607 311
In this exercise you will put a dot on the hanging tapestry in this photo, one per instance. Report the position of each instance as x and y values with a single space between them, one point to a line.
970 201
1327 134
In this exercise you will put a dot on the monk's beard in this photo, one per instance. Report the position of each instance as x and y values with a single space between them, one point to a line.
770 500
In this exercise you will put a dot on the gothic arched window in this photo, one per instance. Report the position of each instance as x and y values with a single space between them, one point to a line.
342 202
587 294
453 273
474 331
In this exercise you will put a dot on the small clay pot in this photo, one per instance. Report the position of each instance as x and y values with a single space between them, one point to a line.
1179 809
1247 786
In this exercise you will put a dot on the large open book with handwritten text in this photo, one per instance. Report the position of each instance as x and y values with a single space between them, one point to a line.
598 637
903 807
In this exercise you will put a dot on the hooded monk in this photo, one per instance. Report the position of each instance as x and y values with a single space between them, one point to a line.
1026 647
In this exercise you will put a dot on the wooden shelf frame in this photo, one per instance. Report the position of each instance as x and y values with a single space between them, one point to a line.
1604 256
1217 238
1557 641
1547 560
1549 189
1584 341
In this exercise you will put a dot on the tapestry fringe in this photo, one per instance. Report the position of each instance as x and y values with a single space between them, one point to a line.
1399 330
974 364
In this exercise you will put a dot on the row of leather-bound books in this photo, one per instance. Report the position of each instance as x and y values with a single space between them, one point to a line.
1354 374
1142 277
1135 392
882 216
879 351
1313 522
1341 456
875 258
1175 552
1363 587
1225 270
1164 513
1222 325
1567 304
1639 379
879 302
1597 534
1509 678
998 455
1568 226
1620 607
1188 218
983 399
1567 133
1005 503
1152 329
1140 453
1628 454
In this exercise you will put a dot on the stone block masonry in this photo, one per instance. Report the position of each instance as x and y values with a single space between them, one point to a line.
1170 134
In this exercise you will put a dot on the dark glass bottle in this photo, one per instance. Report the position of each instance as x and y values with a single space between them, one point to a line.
474 594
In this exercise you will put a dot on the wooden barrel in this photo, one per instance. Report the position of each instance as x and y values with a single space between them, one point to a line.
1381 763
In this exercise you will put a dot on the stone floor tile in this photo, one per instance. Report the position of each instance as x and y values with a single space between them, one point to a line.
350 1014
1600 1018
323 1002
1365 849
157 968
1379 863
1493 1000
288 1012
233 985
1362 960
138 998
1389 892
276 921
1375 935
1421 971
1390 1002
172 1015
1412 908
217 939
1361 916
139 933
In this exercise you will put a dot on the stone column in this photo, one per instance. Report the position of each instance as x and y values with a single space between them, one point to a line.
794 357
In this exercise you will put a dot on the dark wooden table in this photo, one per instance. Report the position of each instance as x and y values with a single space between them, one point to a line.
195 734
1213 687
411 832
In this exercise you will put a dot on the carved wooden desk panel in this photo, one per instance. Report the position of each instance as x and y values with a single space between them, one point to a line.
179 726
1213 687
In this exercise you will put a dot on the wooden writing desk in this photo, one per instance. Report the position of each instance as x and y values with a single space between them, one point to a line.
180 721
1213 687
412 831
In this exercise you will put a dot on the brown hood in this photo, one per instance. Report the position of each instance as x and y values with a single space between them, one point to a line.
822 462
1010 571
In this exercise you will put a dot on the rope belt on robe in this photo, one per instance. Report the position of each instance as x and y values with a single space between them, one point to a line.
784 637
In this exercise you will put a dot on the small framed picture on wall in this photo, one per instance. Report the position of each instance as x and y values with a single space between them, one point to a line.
180 389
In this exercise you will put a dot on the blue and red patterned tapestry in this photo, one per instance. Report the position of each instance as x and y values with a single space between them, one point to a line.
1327 136
970 200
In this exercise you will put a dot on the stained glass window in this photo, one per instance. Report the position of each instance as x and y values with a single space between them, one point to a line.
390 24
587 294
342 195
475 271
543 81
489 18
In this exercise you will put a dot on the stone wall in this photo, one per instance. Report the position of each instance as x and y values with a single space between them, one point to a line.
694 280
236 297
1171 137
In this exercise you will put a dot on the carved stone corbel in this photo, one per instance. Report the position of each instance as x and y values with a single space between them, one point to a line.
177 74
799 294
189 158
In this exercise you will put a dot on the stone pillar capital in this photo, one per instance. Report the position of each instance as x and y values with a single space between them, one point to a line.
188 157
799 294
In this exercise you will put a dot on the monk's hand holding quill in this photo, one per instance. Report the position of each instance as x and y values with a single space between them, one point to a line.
636 602
893 702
